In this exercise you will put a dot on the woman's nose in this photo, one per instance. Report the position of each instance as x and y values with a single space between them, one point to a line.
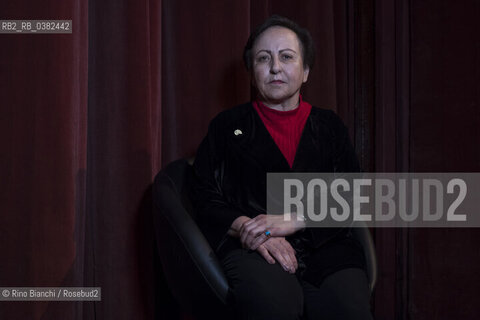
275 67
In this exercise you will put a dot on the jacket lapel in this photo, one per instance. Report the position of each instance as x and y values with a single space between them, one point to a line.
258 144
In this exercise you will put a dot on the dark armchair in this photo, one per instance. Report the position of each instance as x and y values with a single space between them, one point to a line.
192 270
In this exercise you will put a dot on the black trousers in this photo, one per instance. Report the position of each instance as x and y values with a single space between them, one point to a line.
264 291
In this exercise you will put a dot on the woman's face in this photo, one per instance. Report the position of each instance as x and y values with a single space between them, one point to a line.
278 71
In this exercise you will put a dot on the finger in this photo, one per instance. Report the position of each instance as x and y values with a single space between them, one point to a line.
246 224
255 235
290 257
259 220
244 232
291 253
259 240
279 254
247 237
250 240
260 217
254 220
250 232
249 222
289 262
265 254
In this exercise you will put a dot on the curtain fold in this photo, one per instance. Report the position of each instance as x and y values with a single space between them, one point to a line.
120 153
43 99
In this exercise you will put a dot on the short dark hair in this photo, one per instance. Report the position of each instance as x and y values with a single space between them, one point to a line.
306 41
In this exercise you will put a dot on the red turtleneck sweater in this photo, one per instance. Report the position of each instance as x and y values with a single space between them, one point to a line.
285 127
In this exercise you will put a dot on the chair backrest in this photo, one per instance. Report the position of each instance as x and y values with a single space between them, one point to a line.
192 270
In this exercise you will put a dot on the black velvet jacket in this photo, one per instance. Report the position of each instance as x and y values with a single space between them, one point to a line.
233 159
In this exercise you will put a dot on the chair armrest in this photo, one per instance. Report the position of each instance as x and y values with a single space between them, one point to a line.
361 232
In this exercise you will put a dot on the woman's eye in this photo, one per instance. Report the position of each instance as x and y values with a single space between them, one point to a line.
287 57
263 58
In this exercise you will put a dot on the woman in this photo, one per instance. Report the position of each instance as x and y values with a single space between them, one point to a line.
278 269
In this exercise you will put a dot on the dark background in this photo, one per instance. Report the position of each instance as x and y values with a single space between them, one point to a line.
87 119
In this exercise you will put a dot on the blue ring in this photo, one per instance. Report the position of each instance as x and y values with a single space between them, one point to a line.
267 233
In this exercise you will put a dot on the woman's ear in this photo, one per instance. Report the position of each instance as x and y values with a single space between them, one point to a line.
306 71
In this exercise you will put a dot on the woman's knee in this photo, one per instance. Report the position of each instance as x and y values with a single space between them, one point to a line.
343 295
262 291
257 301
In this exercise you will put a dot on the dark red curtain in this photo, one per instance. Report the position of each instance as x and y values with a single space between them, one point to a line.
43 156
427 70
88 119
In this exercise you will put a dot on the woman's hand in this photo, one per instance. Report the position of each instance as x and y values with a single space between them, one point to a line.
280 250
252 231
237 226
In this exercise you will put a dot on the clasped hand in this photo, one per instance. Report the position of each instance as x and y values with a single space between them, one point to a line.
273 247
279 249
252 232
